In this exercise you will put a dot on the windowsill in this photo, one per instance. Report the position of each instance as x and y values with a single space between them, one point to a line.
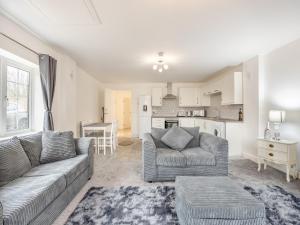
18 134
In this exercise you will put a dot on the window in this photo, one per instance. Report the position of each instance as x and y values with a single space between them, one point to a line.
15 115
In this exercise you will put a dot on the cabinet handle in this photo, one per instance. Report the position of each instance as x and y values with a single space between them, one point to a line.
271 154
271 146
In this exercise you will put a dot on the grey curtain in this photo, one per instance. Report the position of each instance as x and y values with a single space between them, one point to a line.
48 76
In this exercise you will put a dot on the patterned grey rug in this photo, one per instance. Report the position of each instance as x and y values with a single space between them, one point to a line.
156 205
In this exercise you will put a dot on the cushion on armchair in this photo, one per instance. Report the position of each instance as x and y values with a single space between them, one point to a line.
176 138
170 158
198 157
194 131
157 134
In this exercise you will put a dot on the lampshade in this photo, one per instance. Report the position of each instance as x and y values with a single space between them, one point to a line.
276 116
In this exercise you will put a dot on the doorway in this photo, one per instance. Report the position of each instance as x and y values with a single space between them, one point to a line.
118 108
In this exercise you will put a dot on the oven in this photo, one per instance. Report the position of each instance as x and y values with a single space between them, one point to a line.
169 123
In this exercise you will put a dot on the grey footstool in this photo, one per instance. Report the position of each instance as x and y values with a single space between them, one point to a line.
216 201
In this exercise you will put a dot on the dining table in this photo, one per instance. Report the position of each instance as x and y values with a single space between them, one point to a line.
99 126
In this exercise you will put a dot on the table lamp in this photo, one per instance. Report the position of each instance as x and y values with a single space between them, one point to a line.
276 117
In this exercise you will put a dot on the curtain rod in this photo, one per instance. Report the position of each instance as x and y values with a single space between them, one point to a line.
24 46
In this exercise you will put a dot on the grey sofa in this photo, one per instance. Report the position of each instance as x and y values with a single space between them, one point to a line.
205 155
40 195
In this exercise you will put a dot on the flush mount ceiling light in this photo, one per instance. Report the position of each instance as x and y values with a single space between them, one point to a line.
160 65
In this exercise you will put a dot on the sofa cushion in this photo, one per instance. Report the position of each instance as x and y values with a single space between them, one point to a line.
194 131
24 198
176 138
157 134
170 158
198 157
70 168
32 145
57 146
13 160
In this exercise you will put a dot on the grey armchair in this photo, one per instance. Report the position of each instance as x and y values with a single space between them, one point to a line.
205 155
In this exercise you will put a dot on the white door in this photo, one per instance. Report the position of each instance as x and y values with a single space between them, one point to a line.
188 97
127 113
109 106
157 94
186 122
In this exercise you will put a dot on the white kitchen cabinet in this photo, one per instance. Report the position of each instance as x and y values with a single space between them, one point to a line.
186 122
157 95
232 90
213 87
199 123
188 97
158 123
204 99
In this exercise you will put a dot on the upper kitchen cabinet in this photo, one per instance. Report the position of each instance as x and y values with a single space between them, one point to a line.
204 99
157 95
213 87
188 96
232 89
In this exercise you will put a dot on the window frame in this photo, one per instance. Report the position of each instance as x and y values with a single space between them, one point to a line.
5 62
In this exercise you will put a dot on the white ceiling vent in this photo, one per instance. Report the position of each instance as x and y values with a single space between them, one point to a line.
68 12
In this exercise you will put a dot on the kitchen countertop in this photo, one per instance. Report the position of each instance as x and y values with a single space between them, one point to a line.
198 117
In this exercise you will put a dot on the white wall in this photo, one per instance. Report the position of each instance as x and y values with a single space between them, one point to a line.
89 98
272 81
251 106
282 88
138 89
66 104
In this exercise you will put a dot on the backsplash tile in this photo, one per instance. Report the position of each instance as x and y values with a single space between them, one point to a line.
170 107
226 111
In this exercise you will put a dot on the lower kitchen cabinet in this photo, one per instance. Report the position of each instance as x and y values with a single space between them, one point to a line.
158 123
186 122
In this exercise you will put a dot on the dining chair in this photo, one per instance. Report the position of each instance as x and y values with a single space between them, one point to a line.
106 140
89 133
115 134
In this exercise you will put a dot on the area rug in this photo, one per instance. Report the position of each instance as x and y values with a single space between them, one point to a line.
125 142
156 205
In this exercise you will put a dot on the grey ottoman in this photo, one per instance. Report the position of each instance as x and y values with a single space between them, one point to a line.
216 201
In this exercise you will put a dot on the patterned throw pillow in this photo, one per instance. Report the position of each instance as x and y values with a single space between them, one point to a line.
177 138
57 146
13 160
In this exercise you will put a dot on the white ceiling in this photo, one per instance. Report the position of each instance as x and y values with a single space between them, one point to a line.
117 40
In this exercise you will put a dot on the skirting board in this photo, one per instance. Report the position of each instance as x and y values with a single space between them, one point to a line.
276 166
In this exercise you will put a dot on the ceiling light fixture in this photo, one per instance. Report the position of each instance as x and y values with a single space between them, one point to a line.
160 65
